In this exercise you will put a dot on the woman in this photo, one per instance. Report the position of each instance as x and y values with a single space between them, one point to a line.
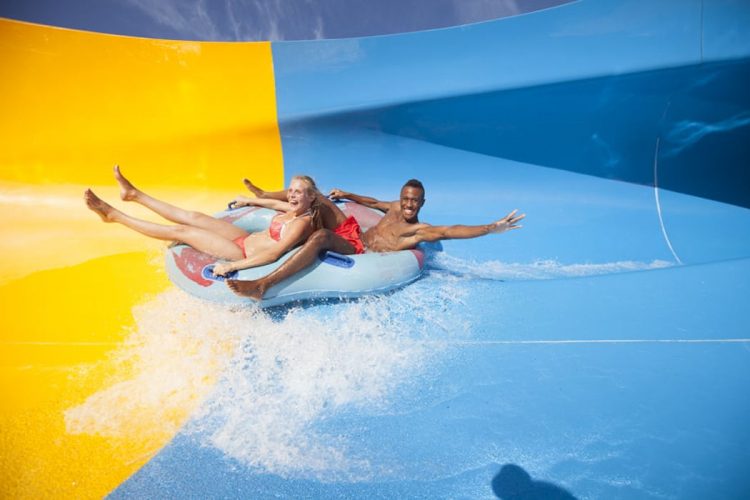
343 232
219 238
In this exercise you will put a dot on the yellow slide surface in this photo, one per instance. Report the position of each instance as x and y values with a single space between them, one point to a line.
186 121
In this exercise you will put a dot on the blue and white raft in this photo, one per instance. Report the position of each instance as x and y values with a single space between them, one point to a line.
332 276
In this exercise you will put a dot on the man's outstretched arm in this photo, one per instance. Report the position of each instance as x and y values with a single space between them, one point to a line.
435 233
261 193
282 195
383 206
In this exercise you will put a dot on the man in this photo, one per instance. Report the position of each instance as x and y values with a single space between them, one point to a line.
399 229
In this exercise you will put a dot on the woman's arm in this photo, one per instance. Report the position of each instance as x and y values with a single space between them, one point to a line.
273 204
383 206
295 233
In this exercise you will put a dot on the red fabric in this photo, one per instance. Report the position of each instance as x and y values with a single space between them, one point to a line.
351 232
240 242
274 230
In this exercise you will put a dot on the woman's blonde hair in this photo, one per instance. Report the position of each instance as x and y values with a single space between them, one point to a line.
312 190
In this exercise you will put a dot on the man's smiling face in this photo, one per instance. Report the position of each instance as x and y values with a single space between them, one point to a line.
412 199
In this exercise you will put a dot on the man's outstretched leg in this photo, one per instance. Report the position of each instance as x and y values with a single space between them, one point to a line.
321 240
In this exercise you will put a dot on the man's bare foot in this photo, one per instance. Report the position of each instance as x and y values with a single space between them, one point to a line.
128 192
251 289
258 192
96 204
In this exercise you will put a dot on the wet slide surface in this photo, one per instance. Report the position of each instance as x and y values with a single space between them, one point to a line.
599 352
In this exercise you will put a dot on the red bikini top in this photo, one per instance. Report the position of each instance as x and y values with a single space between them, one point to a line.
275 229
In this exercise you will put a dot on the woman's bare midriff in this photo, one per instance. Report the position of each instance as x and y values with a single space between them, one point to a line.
258 242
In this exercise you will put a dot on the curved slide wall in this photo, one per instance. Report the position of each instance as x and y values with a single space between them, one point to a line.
620 128
186 120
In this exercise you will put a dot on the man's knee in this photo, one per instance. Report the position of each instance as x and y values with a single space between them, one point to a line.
321 238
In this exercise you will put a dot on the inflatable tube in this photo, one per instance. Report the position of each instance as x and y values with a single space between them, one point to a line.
332 276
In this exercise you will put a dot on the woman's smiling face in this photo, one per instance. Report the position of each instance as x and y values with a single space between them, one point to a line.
300 195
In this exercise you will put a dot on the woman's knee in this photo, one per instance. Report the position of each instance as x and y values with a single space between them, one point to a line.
181 231
194 218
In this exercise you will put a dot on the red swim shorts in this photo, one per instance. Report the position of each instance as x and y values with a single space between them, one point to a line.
351 232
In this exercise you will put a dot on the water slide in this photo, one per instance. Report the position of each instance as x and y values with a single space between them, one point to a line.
602 351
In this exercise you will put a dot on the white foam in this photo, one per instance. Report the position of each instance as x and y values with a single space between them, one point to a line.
538 270
292 375
168 362
280 379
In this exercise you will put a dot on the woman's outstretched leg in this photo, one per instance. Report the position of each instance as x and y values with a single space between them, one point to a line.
201 239
128 192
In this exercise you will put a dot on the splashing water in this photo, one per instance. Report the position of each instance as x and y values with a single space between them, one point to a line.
259 386
539 270
160 373
256 385
289 376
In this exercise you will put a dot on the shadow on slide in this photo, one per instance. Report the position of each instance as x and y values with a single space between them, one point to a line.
512 482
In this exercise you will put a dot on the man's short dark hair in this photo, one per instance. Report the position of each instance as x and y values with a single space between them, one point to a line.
414 183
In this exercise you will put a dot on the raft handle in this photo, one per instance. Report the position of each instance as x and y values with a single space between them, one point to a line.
208 273
336 259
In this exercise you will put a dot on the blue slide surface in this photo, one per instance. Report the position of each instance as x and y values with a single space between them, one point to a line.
602 351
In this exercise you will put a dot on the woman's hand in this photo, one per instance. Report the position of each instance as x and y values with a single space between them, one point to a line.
223 269
240 201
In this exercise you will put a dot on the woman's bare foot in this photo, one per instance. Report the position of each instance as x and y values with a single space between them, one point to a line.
251 289
128 192
96 204
258 192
